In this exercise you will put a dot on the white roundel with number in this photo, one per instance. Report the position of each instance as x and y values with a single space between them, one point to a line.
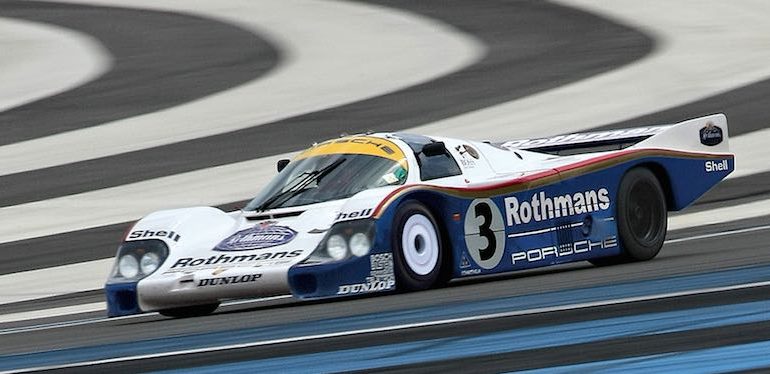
484 233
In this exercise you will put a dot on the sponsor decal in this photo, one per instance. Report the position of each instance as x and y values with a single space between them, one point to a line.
711 135
464 263
224 261
149 234
484 233
363 213
367 145
470 272
468 155
543 207
364 141
381 265
554 252
712 166
390 178
381 276
369 286
583 137
234 279
257 237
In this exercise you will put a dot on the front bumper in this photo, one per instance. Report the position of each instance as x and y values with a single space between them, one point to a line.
121 299
165 291
356 275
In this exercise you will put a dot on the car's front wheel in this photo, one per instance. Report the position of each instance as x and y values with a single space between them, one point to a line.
417 247
190 311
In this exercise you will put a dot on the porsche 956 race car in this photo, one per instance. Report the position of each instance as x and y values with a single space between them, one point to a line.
391 211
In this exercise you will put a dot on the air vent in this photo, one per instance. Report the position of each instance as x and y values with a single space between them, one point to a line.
260 217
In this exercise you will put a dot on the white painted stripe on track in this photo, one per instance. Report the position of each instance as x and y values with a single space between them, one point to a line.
91 307
39 60
52 312
53 281
405 326
754 209
213 186
718 234
333 53
703 48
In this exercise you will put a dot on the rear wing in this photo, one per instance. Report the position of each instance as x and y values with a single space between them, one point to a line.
704 134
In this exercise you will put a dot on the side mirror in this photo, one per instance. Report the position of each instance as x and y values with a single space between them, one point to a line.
282 163
434 149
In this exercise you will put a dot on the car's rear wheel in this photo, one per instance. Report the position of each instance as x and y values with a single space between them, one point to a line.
642 217
190 311
417 247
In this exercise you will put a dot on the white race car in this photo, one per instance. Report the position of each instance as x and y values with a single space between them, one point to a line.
379 212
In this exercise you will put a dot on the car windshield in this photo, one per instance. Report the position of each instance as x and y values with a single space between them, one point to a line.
334 170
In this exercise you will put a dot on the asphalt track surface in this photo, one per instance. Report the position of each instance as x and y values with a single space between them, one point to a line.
675 260
529 43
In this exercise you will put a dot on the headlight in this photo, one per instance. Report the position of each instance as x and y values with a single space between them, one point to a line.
360 244
128 266
149 262
343 240
337 247
138 259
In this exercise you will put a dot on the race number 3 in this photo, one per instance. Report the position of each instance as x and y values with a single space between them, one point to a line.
484 233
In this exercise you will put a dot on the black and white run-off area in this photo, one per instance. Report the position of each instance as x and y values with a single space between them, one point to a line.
110 109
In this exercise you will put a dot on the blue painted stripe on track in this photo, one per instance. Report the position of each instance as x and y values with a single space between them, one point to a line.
503 342
741 357
460 309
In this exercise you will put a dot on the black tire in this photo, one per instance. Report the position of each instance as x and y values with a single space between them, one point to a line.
420 265
642 217
190 311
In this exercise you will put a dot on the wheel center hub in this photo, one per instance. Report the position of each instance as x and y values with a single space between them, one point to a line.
419 244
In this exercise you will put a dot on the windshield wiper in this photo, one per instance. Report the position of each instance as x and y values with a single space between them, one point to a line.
303 180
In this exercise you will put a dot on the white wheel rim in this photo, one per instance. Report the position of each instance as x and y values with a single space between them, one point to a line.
419 244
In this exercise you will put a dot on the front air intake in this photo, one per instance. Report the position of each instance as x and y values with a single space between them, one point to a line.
262 217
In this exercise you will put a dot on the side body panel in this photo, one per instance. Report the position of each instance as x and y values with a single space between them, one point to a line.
569 219
561 215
